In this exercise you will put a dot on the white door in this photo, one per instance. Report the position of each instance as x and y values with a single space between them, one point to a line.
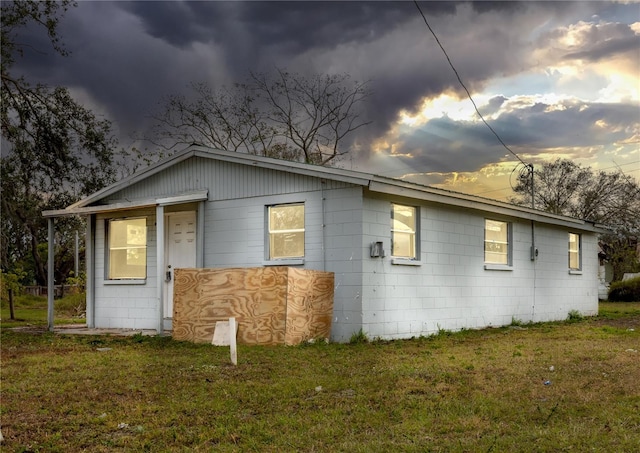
180 251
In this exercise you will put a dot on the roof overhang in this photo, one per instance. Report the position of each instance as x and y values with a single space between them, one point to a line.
332 173
187 197
445 197
376 184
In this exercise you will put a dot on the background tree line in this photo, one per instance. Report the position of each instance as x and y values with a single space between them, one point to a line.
611 199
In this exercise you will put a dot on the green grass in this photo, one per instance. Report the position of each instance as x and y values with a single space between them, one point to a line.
614 310
468 391
32 311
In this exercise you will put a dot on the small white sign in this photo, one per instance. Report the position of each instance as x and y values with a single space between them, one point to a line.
221 334
225 335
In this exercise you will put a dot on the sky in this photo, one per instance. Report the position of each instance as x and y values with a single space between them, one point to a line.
554 79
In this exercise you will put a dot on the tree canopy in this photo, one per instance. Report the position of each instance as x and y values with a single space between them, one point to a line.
608 198
54 149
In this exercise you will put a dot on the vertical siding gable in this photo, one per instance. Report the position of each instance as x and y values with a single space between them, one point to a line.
225 180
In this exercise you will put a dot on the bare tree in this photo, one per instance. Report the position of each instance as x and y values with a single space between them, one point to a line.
281 115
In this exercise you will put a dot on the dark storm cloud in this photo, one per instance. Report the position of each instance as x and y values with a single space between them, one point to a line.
295 26
127 55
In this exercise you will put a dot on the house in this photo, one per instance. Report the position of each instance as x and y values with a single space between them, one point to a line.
408 259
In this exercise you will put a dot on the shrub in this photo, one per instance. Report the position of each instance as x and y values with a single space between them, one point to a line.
625 291
574 316
9 281
359 337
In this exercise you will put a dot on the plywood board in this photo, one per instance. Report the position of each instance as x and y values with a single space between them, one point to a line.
272 305
309 305
254 296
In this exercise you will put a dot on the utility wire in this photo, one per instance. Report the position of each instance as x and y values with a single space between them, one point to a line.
465 88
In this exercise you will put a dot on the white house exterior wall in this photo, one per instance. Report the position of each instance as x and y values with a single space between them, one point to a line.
224 180
121 304
235 236
344 257
451 289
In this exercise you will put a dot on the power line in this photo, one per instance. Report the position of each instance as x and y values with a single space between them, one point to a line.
465 88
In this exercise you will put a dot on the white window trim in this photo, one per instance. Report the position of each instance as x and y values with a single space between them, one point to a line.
403 260
284 262
497 267
576 270
509 242
406 261
107 257
291 261
125 281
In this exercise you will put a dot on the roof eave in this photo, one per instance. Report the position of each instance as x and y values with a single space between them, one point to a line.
400 188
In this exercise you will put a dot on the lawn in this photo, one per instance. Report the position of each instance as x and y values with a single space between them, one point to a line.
544 387
32 311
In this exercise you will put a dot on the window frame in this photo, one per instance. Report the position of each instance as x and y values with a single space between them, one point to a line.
269 233
109 249
577 252
494 265
413 234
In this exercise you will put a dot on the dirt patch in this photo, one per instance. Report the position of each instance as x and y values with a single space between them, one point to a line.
628 322
74 329
35 330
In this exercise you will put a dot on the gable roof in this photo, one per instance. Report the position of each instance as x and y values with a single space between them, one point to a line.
374 183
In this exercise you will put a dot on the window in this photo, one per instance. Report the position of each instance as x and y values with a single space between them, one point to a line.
574 251
497 248
286 231
128 249
403 231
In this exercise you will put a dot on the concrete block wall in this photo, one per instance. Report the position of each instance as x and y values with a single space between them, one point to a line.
235 230
235 236
451 289
121 304
343 256
559 290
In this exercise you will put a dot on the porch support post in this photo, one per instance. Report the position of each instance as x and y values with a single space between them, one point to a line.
50 282
200 235
160 266
90 272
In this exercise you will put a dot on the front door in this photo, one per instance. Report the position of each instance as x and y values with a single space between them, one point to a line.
180 251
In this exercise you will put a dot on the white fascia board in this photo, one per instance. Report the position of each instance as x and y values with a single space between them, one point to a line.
479 204
347 176
85 210
188 197
199 195
318 171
